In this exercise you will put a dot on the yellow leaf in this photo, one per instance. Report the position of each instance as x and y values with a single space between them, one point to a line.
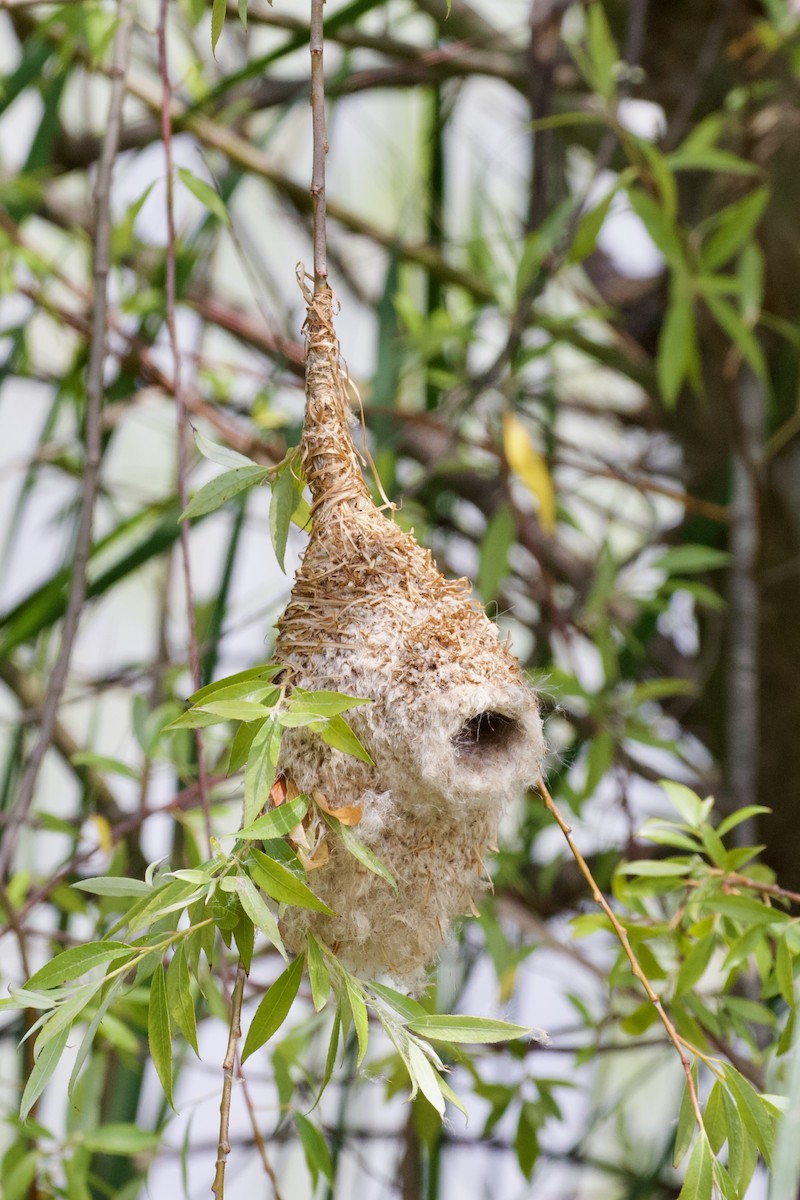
104 834
526 461
346 814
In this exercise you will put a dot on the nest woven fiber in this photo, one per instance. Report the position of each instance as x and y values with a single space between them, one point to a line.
453 729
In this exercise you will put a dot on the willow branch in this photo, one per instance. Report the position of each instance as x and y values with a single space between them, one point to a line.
622 935
180 401
93 439
228 1066
320 147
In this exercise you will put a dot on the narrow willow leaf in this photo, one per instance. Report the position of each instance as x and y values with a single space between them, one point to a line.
694 965
714 1118
218 10
236 710
424 1077
218 491
278 822
179 996
675 346
742 814
242 9
498 539
734 228
784 973
315 1148
274 1008
282 885
211 200
281 506
254 675
408 1008
244 934
318 973
358 1007
87 1040
338 734
699 1182
259 773
101 762
159 1032
323 704
66 1013
742 1152
467 1030
17 1178
76 961
686 1124
46 1062
259 912
223 456
757 1118
365 856
241 745
119 1138
526 1142
110 885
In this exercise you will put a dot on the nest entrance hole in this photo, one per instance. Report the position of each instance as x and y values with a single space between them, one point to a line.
487 732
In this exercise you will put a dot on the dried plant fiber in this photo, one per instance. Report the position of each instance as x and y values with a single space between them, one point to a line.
453 729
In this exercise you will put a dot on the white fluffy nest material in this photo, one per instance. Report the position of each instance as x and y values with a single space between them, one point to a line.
454 731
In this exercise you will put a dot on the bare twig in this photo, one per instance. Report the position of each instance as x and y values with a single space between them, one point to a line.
228 1065
180 402
320 147
678 1042
91 469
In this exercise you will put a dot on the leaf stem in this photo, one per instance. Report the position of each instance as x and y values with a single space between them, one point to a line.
228 1065
622 935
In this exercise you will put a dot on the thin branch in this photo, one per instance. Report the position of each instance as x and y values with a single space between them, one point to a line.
320 147
678 1042
91 470
228 1065
180 402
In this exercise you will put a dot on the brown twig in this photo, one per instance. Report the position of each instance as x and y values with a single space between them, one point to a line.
622 935
228 1065
180 402
91 469
320 147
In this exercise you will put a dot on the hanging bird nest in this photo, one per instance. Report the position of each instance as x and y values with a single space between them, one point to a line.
453 730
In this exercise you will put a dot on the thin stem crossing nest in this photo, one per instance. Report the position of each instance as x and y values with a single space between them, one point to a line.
454 732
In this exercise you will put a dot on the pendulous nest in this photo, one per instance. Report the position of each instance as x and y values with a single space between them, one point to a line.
453 729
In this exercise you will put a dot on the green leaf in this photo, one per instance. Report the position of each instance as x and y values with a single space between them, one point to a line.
282 504
76 961
757 1118
689 559
359 850
211 200
358 1008
179 996
218 10
676 345
120 1138
742 1154
710 159
735 226
159 1031
338 734
259 773
687 802
694 965
323 704
46 1062
242 9
714 1118
784 973
526 1141
740 334
467 1031
315 1148
498 539
253 675
240 746
318 973
424 1077
223 456
101 762
18 1176
218 491
654 868
274 1008
585 241
687 1123
257 910
699 1182
741 814
278 822
405 1005
111 885
282 885
237 710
